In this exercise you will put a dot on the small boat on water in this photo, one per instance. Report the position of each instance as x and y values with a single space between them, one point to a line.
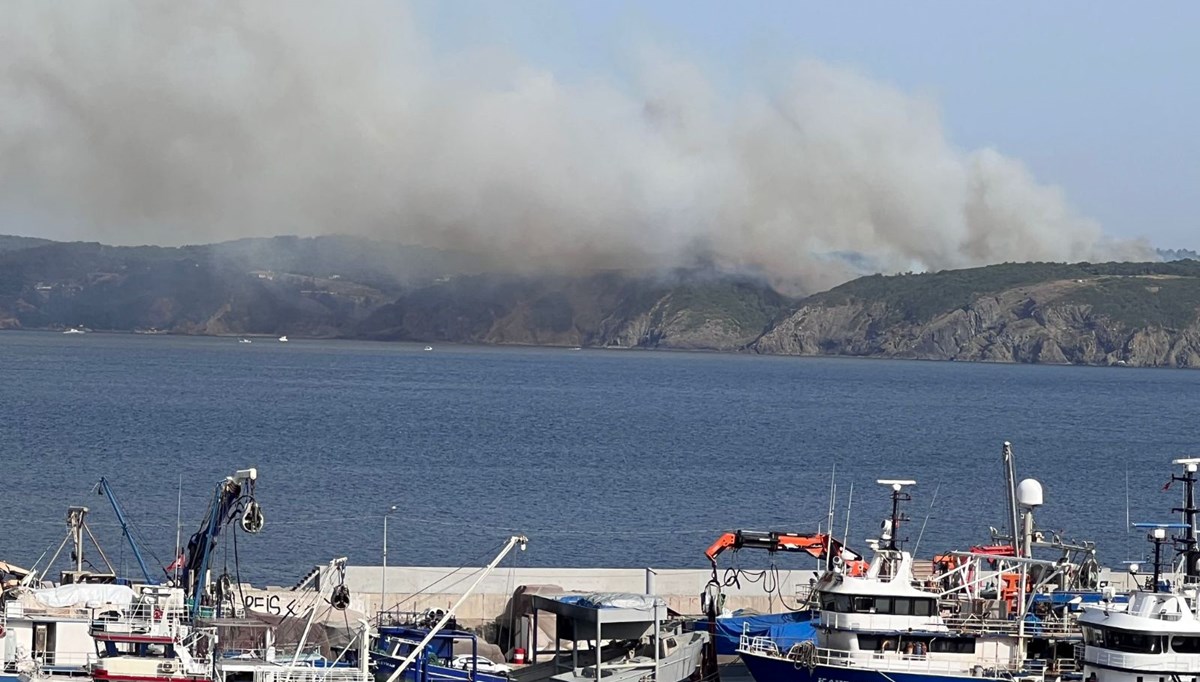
244 340
75 330
283 339
428 347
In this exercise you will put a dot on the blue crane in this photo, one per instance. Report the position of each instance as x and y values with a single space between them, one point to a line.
232 498
107 490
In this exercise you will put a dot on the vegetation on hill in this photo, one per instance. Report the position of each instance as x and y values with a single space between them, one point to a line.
918 298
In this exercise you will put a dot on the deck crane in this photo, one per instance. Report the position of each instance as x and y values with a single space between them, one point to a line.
107 491
233 499
819 545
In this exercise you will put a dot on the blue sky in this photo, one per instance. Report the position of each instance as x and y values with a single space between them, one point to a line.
1098 98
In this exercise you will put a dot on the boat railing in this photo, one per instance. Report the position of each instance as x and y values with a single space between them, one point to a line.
64 659
983 625
1165 663
308 674
142 619
807 654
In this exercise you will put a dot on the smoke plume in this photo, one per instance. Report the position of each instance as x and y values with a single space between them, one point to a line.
178 123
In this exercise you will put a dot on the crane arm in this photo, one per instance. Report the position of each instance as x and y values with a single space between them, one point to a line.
200 548
819 545
107 491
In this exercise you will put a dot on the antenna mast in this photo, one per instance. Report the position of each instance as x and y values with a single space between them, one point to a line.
1187 539
1010 488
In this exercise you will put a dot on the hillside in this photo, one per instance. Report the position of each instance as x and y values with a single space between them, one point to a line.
1142 314
358 288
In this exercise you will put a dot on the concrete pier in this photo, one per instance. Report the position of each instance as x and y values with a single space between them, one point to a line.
421 588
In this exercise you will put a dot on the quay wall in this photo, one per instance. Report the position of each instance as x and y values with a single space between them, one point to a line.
421 588
424 588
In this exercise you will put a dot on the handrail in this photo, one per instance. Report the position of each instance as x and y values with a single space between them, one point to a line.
882 661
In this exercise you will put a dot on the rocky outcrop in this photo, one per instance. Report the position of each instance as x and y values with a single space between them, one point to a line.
1038 324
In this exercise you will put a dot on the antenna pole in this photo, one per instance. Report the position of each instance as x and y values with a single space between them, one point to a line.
178 529
849 504
1187 539
1010 478
832 508
927 514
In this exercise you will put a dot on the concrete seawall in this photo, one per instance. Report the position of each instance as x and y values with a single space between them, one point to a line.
421 588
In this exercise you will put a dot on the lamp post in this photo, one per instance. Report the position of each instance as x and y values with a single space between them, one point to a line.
383 575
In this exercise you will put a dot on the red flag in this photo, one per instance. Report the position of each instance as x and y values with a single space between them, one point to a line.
178 563
1168 485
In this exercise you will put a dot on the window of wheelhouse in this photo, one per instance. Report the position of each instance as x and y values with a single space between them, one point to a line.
891 606
1186 645
1124 640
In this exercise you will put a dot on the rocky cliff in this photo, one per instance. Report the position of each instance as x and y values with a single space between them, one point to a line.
1110 314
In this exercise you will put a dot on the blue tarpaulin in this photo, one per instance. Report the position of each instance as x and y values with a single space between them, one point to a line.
785 629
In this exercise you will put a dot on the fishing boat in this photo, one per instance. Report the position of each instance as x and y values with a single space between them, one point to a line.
976 618
1155 637
283 339
244 340
45 629
74 330
61 631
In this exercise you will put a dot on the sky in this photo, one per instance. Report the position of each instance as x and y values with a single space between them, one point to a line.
777 138
1099 98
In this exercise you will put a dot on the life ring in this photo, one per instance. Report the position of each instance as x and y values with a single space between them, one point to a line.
158 613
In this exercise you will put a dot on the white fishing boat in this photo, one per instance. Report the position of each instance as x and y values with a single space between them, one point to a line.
283 339
428 347
244 340
982 615
75 330
1156 636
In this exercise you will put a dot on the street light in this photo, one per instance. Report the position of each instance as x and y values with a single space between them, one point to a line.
383 576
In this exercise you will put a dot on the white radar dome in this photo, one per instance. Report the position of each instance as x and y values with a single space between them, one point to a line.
1029 493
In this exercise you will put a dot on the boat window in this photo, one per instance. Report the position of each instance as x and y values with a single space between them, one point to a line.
1132 642
1186 645
1093 636
842 603
869 642
883 604
922 607
956 645
903 606
864 604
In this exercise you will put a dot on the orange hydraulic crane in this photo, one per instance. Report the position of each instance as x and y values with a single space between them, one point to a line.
819 545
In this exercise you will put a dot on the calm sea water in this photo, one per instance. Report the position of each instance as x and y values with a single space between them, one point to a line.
604 458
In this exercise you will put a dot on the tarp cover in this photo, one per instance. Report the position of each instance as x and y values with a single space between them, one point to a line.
785 629
81 594
615 600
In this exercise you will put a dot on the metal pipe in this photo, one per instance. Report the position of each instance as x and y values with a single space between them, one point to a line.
383 605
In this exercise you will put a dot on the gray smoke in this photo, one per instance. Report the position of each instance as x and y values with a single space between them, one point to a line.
170 123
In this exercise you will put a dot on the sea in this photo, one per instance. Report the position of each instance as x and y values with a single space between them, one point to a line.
602 458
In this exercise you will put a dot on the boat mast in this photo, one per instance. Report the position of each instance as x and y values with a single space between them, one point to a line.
1010 488
416 651
1187 539
898 496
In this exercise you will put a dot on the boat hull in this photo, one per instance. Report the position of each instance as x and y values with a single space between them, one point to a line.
771 669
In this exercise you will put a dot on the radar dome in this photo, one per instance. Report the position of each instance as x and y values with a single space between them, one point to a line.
1029 493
